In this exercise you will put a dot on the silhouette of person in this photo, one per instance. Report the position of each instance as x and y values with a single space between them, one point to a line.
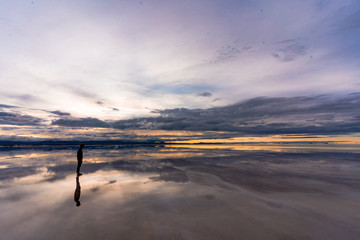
77 192
79 159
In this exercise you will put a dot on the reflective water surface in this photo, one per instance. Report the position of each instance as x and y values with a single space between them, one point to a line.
180 192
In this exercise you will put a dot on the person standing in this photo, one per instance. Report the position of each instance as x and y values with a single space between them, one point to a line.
79 159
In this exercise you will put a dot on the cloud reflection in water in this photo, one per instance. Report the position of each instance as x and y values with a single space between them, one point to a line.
140 194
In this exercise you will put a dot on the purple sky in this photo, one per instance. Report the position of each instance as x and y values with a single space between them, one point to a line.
114 60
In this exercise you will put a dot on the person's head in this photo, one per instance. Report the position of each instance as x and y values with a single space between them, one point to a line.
82 145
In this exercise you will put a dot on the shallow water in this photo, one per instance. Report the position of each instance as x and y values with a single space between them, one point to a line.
177 192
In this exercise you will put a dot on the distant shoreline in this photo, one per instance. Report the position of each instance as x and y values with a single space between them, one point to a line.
14 144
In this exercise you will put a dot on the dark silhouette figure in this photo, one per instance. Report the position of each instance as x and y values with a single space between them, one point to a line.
77 192
79 159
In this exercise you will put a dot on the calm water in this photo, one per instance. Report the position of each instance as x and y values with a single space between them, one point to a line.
173 192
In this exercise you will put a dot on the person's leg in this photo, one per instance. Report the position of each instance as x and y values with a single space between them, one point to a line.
78 167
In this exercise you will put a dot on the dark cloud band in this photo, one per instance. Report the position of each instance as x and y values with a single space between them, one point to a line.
323 114
320 114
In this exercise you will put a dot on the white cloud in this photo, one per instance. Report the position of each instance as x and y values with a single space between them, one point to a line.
72 54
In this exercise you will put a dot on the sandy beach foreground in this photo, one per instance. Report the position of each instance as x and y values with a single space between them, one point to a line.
149 194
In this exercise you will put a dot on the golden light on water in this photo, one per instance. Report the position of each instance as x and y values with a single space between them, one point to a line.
288 138
268 147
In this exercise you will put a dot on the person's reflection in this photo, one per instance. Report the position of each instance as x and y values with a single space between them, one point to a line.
77 192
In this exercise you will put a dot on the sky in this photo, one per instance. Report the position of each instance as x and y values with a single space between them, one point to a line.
242 66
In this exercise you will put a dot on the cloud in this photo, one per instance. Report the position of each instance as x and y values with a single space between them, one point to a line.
7 106
10 173
181 89
320 114
83 93
23 97
240 49
7 118
59 113
325 114
81 122
204 94
226 53
290 51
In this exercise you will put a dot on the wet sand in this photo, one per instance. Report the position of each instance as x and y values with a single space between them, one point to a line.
228 195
